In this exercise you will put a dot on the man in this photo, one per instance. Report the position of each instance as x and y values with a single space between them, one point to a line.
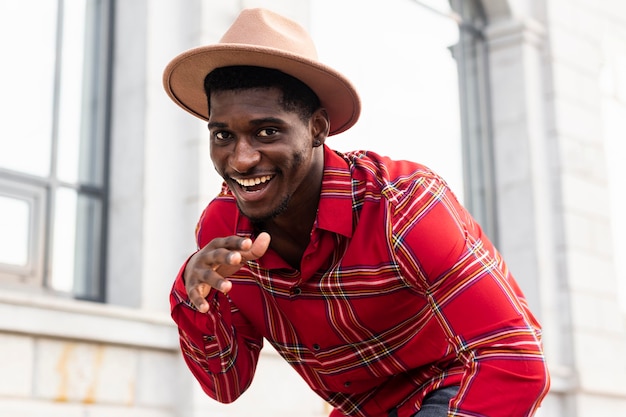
366 274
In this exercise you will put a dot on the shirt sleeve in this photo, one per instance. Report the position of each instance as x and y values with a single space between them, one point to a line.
476 301
220 347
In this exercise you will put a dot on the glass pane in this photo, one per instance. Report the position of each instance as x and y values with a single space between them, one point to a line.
88 246
80 153
14 231
28 84
76 248
64 242
397 54
71 90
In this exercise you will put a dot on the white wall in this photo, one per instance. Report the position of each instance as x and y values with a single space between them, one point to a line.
559 97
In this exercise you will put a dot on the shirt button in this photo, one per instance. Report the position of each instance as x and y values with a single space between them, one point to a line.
297 291
316 346
347 384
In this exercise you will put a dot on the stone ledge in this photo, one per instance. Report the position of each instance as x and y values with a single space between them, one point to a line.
40 315
34 408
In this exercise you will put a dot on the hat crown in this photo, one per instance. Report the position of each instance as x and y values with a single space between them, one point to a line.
261 27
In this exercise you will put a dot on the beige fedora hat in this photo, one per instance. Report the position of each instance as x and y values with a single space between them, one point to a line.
263 38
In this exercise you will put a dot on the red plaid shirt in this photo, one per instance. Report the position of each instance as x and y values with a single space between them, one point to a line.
399 293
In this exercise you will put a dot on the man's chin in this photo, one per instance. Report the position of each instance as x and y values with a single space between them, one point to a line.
260 218
256 217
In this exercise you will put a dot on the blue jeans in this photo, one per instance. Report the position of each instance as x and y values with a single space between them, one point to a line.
435 404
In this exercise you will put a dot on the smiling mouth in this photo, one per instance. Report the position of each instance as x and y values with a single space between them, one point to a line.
253 184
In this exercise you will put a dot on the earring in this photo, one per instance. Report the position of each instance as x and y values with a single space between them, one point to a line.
317 143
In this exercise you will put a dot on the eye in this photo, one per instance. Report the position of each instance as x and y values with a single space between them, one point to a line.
222 136
267 132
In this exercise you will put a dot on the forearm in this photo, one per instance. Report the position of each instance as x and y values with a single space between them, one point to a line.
222 360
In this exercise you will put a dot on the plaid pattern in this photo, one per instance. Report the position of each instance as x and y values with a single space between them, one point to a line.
399 293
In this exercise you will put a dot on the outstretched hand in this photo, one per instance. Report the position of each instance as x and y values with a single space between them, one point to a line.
210 266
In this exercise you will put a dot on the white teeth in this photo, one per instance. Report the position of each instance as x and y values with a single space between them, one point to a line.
249 182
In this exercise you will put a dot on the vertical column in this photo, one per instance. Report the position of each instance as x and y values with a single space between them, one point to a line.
127 180
527 185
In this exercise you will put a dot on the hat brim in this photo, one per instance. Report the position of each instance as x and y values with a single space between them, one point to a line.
184 76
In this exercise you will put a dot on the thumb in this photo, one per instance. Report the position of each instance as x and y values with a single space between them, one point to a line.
259 246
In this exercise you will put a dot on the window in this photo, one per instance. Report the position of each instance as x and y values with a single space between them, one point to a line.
53 144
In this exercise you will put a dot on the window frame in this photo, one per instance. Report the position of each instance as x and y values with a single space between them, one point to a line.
40 191
35 196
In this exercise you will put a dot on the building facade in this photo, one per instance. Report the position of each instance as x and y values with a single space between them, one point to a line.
520 104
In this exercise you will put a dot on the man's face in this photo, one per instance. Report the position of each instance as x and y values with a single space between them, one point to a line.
264 153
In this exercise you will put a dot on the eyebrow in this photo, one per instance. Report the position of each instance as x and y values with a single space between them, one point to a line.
254 122
212 125
264 120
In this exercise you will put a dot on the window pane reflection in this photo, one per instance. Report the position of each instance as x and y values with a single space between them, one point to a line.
71 90
76 244
14 231
28 84
64 244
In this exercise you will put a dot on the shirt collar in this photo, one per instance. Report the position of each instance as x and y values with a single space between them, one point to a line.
334 212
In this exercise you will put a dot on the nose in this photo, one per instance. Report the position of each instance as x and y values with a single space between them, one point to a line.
244 157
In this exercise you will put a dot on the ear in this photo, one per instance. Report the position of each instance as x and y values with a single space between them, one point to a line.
320 126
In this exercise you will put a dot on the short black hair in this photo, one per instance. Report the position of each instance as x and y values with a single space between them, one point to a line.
296 96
